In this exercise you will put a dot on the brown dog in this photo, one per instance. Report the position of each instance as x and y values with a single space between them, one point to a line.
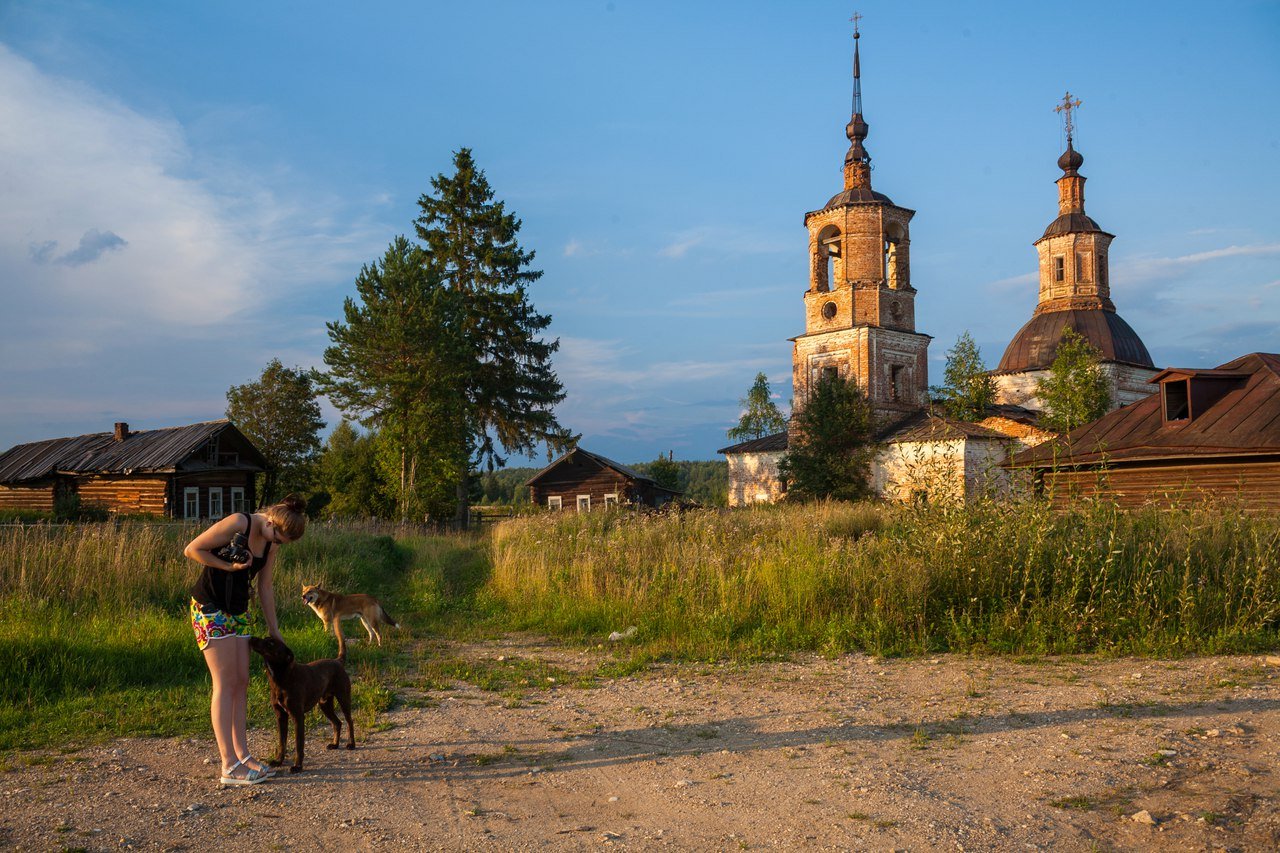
333 607
297 688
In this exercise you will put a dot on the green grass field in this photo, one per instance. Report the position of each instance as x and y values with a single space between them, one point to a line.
95 644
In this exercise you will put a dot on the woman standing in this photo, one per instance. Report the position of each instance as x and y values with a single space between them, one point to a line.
219 601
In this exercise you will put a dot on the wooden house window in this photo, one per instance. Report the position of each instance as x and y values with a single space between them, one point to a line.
611 501
584 503
211 451
1177 400
237 499
215 502
554 502
191 502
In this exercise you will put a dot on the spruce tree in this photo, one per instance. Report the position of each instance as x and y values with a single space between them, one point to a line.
968 388
760 416
1076 390
831 446
506 386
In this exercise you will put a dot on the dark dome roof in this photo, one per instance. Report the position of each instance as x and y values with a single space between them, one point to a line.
856 194
1071 223
1036 343
1070 159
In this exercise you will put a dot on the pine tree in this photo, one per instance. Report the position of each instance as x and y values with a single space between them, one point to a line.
349 475
395 364
506 385
969 389
761 416
831 445
279 414
1076 390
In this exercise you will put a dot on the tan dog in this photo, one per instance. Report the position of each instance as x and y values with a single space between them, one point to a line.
332 608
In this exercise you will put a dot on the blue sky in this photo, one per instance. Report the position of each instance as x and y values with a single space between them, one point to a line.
190 189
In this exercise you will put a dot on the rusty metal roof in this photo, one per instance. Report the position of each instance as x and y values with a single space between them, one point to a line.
1243 421
926 426
154 450
1036 343
1072 223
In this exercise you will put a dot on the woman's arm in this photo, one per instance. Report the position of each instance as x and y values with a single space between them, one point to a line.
202 547
267 596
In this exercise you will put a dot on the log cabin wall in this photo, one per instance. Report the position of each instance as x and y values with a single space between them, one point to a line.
568 481
1254 484
208 482
38 496
124 495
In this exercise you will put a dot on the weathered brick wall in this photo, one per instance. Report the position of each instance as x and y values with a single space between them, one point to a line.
753 478
1128 385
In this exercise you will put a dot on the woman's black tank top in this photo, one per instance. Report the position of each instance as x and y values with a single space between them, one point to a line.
218 589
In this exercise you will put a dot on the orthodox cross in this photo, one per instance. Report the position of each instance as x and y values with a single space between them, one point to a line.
857 16
1066 107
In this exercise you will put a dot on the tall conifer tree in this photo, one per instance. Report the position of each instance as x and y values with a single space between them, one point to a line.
969 388
761 415
506 384
831 446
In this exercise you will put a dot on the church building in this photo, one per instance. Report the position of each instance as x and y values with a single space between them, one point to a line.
1075 293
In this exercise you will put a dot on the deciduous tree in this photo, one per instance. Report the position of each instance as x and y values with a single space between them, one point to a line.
280 415
968 388
831 444
1076 390
760 416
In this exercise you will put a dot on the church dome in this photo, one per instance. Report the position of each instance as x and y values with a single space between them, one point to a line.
1071 159
1071 223
1036 343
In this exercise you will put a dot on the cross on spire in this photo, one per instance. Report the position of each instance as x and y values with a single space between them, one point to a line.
857 16
1066 108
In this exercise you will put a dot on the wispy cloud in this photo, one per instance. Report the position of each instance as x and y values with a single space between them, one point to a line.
681 246
1144 269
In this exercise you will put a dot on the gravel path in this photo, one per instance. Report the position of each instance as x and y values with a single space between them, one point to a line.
951 753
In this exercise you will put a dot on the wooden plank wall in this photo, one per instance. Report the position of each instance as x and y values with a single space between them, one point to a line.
1256 485
212 480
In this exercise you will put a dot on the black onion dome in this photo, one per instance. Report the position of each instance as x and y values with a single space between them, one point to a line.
1036 343
856 195
1071 223
1071 159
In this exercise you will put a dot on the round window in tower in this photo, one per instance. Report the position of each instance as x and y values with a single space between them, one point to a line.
829 311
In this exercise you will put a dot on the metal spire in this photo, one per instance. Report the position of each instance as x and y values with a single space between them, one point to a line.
857 69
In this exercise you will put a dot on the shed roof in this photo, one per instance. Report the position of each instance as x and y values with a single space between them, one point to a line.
1244 421
927 426
601 460
144 451
775 443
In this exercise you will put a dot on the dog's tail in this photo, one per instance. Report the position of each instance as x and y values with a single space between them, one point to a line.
386 617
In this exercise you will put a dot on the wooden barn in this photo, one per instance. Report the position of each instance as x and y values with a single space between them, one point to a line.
204 470
1206 434
585 481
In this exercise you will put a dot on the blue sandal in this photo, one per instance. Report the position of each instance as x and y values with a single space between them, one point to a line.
263 767
251 776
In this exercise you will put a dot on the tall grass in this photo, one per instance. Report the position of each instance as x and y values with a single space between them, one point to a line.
892 580
94 634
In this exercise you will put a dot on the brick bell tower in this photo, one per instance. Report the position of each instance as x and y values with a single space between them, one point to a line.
859 309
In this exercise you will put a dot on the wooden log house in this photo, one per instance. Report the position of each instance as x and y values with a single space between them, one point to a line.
204 470
583 481
1207 434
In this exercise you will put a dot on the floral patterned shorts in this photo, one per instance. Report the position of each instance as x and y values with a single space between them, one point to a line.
215 625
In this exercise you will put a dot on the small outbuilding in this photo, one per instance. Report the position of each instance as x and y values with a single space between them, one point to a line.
204 470
586 481
753 470
1205 434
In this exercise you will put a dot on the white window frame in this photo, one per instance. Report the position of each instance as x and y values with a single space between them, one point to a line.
188 494
587 499
215 502
554 502
237 499
611 501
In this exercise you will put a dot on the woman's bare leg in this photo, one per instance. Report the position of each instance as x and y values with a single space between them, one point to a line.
230 685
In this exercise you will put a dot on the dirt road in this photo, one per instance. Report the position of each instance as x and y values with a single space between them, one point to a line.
950 753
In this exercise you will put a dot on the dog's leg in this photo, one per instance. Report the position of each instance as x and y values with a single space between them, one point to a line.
327 707
344 699
282 726
342 643
370 629
299 735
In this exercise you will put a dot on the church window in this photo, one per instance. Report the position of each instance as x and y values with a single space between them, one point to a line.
829 311
891 272
895 311
895 382
1084 266
1059 268
830 373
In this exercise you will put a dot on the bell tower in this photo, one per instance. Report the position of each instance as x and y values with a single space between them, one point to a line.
860 305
